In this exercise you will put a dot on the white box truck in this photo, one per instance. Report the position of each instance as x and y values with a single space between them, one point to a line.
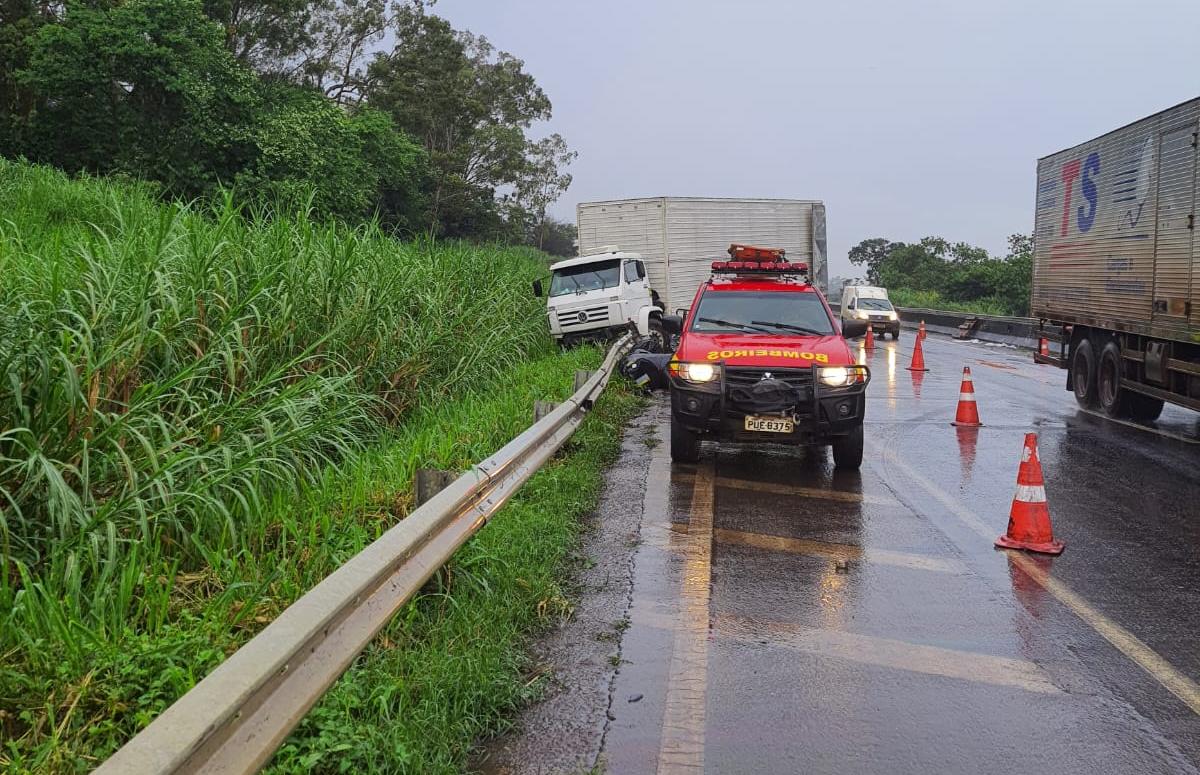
640 258
1116 266
680 237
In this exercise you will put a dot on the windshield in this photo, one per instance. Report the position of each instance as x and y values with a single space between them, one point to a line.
882 304
762 312
586 277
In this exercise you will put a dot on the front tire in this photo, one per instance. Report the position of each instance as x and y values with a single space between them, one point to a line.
685 443
657 336
1083 373
1113 399
848 450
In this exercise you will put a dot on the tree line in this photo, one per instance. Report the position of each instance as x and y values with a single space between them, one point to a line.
288 103
936 273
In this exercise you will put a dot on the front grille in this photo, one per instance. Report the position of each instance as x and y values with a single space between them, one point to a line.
745 377
740 382
571 317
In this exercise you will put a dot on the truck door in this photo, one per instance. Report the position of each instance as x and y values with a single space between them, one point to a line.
1175 224
637 291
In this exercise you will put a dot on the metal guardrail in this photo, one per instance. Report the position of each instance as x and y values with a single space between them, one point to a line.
238 715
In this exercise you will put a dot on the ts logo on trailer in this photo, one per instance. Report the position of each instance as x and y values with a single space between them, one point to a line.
1086 172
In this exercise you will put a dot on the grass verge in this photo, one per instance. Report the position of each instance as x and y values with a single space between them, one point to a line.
203 413
449 668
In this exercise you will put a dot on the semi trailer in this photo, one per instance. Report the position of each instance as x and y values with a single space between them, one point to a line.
1116 268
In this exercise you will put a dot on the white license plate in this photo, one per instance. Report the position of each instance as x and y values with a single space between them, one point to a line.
769 424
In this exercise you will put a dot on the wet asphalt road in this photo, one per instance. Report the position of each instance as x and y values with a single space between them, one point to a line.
784 617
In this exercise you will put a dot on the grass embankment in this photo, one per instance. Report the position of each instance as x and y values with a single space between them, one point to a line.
204 414
906 297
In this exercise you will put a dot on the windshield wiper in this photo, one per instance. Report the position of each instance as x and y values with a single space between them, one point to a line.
788 327
730 324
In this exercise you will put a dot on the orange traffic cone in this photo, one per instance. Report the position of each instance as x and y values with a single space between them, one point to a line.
921 331
1044 347
918 358
870 344
968 413
1029 521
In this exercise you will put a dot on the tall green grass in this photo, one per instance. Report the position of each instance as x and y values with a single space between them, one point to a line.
989 305
178 385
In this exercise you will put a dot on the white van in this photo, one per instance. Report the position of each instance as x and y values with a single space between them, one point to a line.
866 302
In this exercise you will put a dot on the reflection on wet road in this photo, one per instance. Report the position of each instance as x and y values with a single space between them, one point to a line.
787 617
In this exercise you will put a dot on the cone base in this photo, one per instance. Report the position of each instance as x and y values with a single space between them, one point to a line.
966 424
1041 547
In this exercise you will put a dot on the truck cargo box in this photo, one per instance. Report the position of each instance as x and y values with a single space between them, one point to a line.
1114 230
680 237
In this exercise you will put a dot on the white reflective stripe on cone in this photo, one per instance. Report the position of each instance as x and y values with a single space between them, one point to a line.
966 396
1030 493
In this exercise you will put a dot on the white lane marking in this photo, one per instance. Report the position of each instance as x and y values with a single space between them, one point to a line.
681 748
870 650
838 551
1126 642
894 654
776 488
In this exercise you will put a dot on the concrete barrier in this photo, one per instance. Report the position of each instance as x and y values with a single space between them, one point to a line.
1014 331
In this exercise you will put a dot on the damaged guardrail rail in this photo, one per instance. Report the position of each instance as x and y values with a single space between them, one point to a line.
238 715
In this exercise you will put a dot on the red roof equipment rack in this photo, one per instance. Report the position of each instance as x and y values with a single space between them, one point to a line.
748 259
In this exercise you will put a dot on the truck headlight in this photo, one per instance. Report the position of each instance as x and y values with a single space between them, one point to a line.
864 315
893 316
842 376
693 372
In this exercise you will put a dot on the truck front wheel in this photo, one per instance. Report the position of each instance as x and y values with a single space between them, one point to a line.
657 336
1113 399
1083 373
848 450
685 443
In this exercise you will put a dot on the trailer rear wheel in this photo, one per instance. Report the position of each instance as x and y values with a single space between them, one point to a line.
1114 400
1145 408
1083 373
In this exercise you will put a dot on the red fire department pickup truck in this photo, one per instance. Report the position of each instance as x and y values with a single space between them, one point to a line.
761 359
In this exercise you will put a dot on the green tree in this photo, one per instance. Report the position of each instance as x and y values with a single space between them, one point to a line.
543 181
144 87
312 153
322 44
467 104
558 237
870 254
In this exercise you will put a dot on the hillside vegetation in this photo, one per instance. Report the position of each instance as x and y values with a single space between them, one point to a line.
204 412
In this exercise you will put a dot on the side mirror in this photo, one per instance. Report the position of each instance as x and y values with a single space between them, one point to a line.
537 288
672 324
852 329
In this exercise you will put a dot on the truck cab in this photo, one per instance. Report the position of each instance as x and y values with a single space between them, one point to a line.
599 295
761 359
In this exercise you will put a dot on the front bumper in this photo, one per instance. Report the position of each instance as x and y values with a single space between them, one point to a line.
820 413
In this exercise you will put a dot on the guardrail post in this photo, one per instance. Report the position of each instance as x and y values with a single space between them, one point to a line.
542 408
428 482
582 376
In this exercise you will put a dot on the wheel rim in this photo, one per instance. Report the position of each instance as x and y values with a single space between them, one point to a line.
1108 382
1081 376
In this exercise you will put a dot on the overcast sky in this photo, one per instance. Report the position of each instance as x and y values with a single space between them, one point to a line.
906 118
